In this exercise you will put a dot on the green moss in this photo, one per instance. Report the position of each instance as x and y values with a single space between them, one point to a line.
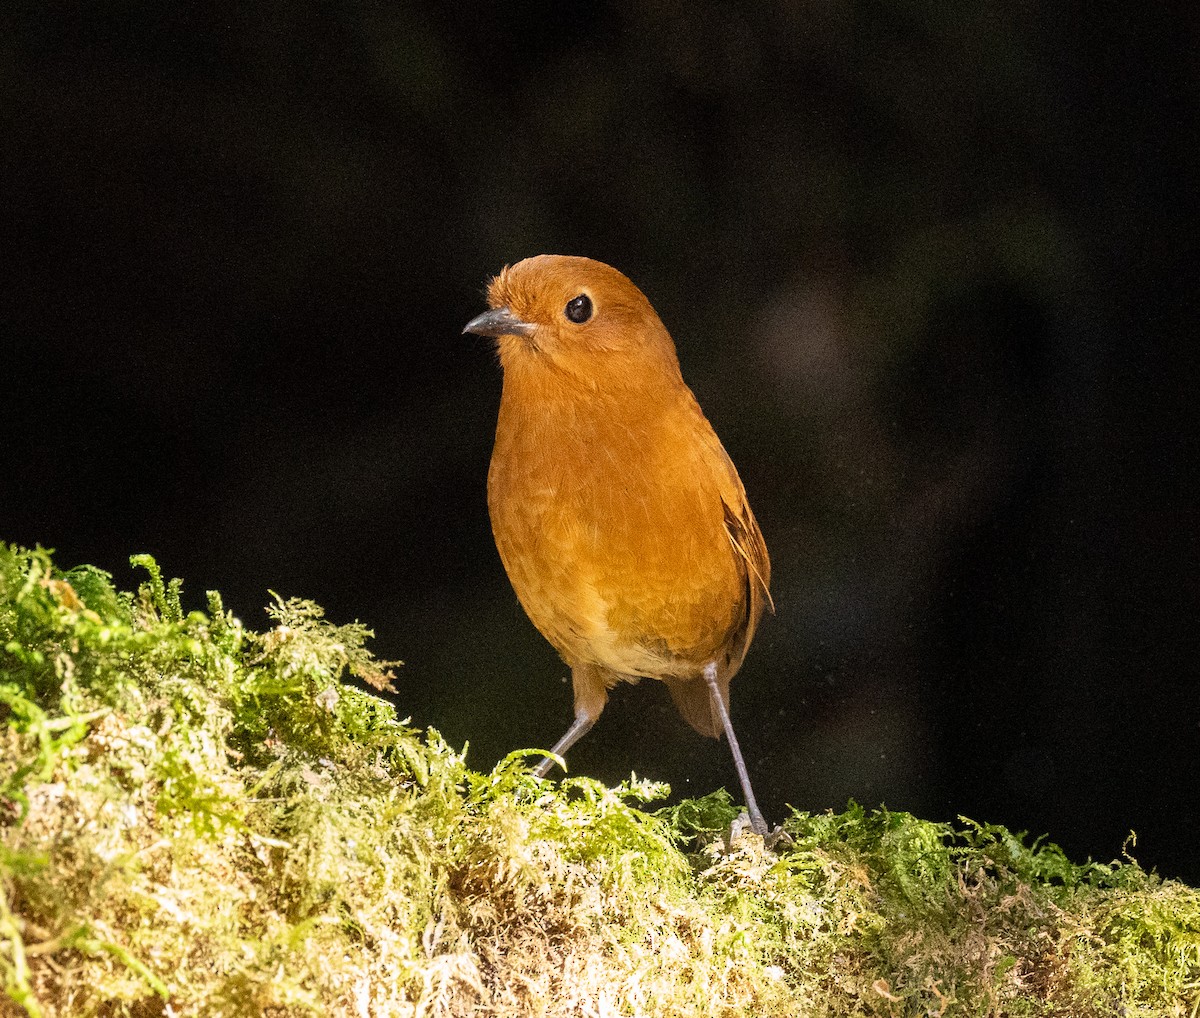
197 819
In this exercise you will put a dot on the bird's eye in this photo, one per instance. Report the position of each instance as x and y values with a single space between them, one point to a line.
579 309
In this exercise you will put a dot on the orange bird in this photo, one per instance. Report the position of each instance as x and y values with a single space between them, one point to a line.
621 520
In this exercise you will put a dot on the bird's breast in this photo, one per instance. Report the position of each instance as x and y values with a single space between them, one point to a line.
612 530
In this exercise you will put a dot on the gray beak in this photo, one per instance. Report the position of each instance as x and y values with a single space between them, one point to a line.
498 322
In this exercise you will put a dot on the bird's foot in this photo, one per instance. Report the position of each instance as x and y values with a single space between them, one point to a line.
778 838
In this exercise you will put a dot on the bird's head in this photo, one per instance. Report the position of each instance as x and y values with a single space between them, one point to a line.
575 314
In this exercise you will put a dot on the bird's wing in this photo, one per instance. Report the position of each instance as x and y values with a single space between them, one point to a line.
744 535
690 695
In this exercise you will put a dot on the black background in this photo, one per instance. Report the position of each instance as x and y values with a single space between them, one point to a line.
929 268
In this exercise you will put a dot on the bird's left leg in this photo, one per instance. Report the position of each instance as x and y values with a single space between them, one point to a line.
579 728
714 691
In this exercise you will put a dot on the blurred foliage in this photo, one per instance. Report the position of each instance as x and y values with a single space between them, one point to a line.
717 142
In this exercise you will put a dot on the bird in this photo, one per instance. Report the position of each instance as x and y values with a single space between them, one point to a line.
619 517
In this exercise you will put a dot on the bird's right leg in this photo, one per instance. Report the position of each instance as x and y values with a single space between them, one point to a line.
591 684
718 702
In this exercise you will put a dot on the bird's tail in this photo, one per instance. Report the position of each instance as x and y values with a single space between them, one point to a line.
694 703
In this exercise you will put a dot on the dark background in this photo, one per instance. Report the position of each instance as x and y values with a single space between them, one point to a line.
929 268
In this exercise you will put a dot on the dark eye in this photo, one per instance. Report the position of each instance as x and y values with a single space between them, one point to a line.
579 309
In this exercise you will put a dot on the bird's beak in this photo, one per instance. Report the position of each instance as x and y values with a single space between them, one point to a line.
498 322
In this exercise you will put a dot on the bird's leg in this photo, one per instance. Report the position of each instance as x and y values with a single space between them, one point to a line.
714 691
579 728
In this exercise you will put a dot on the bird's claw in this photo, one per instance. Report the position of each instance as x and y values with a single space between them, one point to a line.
741 823
777 839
